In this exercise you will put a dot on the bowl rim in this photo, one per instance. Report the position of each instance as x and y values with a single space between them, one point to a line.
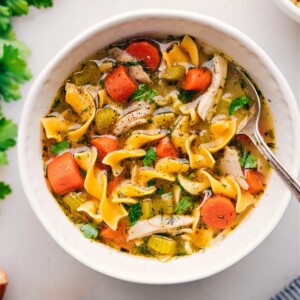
289 9
129 16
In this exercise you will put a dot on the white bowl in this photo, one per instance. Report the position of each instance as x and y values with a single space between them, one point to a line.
289 8
241 241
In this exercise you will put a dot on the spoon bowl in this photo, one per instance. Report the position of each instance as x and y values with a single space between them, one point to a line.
252 131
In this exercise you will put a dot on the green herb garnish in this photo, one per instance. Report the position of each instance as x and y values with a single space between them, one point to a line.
150 157
135 213
131 63
60 146
248 161
89 230
143 93
13 70
238 103
160 190
151 182
184 205
186 96
4 190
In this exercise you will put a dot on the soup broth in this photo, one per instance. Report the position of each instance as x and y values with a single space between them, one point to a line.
142 150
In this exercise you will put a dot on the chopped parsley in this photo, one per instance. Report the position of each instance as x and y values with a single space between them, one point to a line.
248 161
60 146
160 190
151 182
186 96
238 103
150 157
184 205
90 230
131 63
135 213
143 93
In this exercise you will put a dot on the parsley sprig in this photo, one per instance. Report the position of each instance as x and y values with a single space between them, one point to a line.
13 71
238 103
143 93
150 157
248 161
184 205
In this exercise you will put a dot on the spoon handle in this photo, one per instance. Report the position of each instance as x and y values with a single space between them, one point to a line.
290 181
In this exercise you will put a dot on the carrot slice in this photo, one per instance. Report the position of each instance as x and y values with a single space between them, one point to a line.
105 145
166 148
119 236
146 52
64 174
113 183
197 79
218 212
243 138
255 181
119 85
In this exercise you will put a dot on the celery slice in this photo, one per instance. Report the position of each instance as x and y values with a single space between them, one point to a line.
162 244
174 73
147 208
164 205
74 200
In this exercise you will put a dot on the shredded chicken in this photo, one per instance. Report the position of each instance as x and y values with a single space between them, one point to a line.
135 71
207 102
139 74
158 224
134 118
120 55
230 165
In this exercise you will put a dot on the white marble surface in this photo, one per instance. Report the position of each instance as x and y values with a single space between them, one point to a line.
39 269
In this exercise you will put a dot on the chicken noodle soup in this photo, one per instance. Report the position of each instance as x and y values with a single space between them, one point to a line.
142 147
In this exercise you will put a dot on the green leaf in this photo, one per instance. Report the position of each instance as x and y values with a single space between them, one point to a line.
40 3
151 182
248 161
160 190
17 7
135 213
186 96
8 37
150 157
238 103
143 93
60 146
8 134
3 158
13 72
131 63
89 230
184 205
4 190
4 17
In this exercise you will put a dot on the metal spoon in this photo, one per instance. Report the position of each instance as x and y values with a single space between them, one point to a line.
251 130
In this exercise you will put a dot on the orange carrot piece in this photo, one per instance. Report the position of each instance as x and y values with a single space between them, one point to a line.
3 283
113 183
255 181
145 51
119 85
119 236
218 212
105 145
197 79
166 148
64 174
243 138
